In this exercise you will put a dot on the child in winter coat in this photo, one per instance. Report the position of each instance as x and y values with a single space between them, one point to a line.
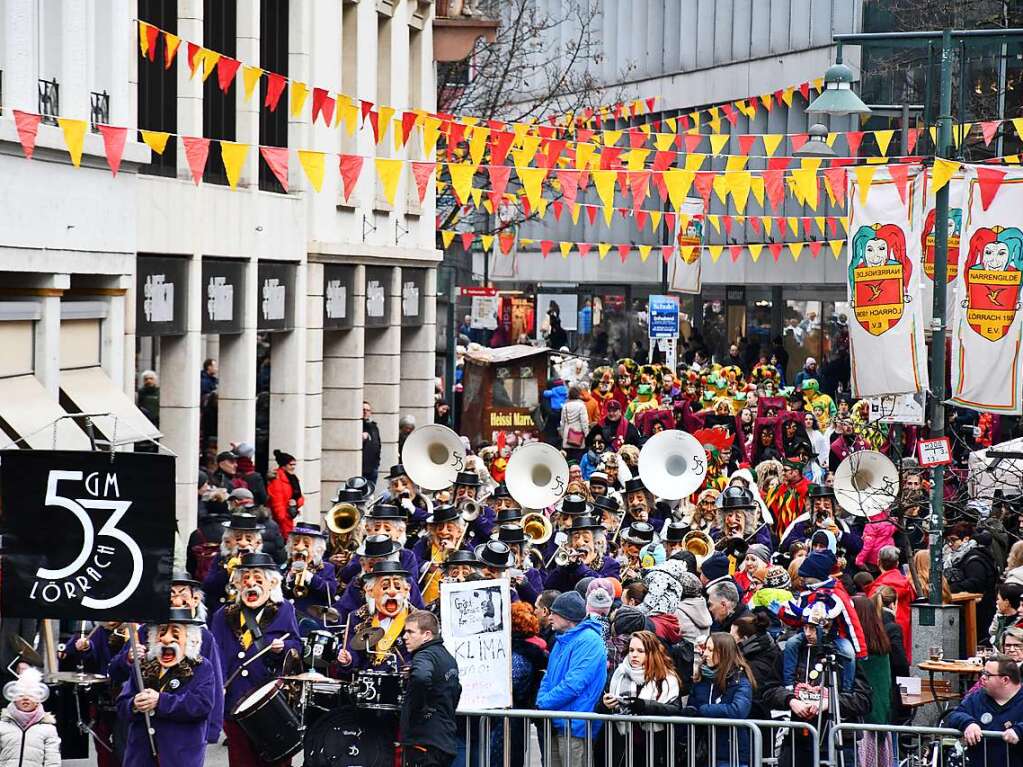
28 734
877 533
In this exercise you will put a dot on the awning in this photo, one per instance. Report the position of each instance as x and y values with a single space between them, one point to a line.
28 410
91 391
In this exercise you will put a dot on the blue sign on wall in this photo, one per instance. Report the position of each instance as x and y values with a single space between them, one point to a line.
663 317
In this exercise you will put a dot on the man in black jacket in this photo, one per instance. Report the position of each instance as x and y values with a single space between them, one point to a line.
429 734
371 445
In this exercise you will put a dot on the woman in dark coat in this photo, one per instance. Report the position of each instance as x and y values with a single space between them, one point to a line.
761 653
969 567
529 661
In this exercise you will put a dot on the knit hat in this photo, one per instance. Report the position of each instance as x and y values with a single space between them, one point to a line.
245 450
777 577
828 537
583 585
664 587
282 458
760 551
629 620
29 684
715 566
688 559
570 606
818 565
611 585
599 602
691 586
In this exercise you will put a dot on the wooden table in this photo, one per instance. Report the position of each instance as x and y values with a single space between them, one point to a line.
967 600
961 668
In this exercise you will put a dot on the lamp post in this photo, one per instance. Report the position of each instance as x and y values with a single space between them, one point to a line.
837 98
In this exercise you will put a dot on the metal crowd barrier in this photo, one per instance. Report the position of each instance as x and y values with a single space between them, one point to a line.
506 738
918 747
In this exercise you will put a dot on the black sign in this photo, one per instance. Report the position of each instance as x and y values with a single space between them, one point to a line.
223 293
735 294
378 297
161 295
276 299
86 537
413 297
338 309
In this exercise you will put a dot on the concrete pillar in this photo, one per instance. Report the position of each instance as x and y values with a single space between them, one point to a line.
418 356
75 64
287 382
383 374
20 56
112 356
236 398
247 112
312 467
343 377
123 90
47 336
190 15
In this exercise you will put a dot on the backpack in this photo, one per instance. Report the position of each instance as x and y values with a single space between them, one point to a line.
204 552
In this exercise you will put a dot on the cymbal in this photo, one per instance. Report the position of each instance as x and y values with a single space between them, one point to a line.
317 612
75 677
366 638
308 676
25 650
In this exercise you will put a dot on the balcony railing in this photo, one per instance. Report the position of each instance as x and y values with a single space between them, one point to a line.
99 113
49 100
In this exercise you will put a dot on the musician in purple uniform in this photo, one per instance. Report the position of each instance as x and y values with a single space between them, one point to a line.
308 580
259 620
178 694
242 535
373 549
467 488
587 556
387 588
187 593
404 494
526 579
383 519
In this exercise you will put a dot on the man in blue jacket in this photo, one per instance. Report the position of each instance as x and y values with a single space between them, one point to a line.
998 708
575 678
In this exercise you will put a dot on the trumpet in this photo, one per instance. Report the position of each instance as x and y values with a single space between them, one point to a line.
470 509
564 556
537 528
300 571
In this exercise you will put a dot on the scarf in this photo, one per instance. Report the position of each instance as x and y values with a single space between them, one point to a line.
296 487
391 635
953 559
629 682
25 719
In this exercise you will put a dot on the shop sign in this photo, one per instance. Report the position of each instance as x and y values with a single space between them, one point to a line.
413 295
161 295
223 285
378 299
511 419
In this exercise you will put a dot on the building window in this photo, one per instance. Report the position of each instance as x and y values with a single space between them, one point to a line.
49 100
219 29
158 87
99 113
273 57
349 67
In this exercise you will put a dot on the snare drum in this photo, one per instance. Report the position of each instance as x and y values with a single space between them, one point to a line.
271 724
379 689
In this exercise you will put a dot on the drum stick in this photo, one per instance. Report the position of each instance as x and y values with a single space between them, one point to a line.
246 663
344 637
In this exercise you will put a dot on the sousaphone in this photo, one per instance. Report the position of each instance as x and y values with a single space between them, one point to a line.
537 475
433 455
672 464
866 483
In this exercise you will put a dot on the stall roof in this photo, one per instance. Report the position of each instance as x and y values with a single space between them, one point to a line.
28 410
485 356
92 391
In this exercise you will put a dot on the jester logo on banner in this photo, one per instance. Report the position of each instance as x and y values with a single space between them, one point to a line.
692 235
992 274
955 227
879 271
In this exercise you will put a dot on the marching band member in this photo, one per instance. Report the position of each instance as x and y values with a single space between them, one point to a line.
457 567
341 546
405 493
639 504
586 556
467 487
495 559
737 514
383 519
822 516
308 580
672 537
526 579
446 532
374 549
242 535
504 505
179 690
609 511
259 619
387 589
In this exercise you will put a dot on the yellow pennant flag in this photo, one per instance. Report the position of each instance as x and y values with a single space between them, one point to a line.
754 250
715 252
541 206
844 221
959 132
384 115
694 161
736 162
678 182
1017 123
488 207
943 170
768 223
864 176
635 159
529 147
74 137
399 140
170 48
604 180
771 142
819 220
836 247
487 241
644 252
831 139
446 237
583 155
765 99
688 253
155 140
313 164
793 223
348 113
431 132
884 138
721 186
655 219
143 38
715 221
574 211
478 144
741 182
795 248
611 137
757 187
566 248
234 156
299 91
209 62
532 183
250 77
806 183
717 142
672 124
602 249
461 179
714 120
786 95
663 141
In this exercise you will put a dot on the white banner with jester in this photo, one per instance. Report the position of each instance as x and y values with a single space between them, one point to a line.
987 330
685 273
886 334
923 222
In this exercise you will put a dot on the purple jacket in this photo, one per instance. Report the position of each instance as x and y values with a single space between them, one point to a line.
565 578
361 661
214 586
227 630
99 659
180 718
353 597
322 591
354 567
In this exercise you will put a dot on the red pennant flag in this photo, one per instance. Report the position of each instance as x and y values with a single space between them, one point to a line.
692 140
639 183
650 104
730 114
734 251
197 149
421 172
774 184
989 179
746 143
623 251
328 110
798 139
989 129
610 158
756 224
636 138
584 248
775 248
669 222
663 161
546 131
641 217
591 213
545 247
911 139
113 144
374 122
351 168
276 158
319 95
900 175
151 34
28 127
193 49
779 97
804 91
274 88
779 163
559 208
499 175
554 150
584 135
836 180
667 251
815 248
227 68
526 207
806 228
506 241
727 221
833 225
408 122
704 183
569 182
853 138
467 238
366 107
500 143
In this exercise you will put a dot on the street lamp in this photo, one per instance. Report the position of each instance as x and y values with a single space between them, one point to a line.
817 144
837 98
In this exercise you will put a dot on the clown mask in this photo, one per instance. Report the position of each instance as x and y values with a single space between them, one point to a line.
170 644
392 528
585 542
446 535
254 587
402 487
387 595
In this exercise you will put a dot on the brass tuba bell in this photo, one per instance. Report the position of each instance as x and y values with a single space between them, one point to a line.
343 518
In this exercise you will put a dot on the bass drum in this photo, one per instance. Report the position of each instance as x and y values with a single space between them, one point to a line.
271 724
349 738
